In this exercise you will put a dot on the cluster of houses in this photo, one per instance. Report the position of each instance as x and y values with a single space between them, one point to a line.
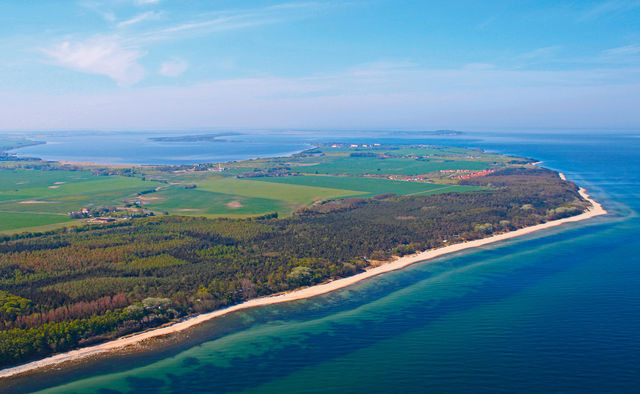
477 174
219 168
98 215
354 145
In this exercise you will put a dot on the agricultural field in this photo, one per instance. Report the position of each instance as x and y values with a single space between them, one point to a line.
378 161
385 166
18 220
32 198
293 192
233 197
367 187
177 200
41 199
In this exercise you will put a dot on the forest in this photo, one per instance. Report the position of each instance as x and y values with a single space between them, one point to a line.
81 285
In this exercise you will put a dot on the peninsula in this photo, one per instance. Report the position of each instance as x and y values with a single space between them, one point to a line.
351 212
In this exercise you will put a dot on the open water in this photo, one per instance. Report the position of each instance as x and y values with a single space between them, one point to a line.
140 148
555 311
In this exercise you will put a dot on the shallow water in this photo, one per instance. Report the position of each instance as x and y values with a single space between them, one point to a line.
557 310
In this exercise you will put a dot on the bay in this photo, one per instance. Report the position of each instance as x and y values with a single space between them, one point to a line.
143 148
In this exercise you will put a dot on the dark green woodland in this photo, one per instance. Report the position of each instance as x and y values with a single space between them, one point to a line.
82 285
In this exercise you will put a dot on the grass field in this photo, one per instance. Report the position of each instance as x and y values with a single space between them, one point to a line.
14 220
18 179
293 192
220 196
41 199
24 184
428 151
367 187
404 150
35 198
394 166
180 201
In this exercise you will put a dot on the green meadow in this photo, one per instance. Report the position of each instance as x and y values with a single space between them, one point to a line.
367 187
395 166
20 184
10 221
40 199
293 192
179 201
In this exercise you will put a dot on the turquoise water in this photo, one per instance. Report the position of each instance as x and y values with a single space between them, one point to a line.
557 311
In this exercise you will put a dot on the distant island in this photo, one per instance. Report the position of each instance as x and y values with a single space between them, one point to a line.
133 248
193 138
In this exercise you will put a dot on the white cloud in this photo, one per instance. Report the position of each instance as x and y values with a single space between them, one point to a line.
541 53
478 66
486 23
138 18
626 50
146 2
222 23
103 55
173 68
609 7
109 16
234 19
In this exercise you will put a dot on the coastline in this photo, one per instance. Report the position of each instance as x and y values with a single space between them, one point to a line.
596 209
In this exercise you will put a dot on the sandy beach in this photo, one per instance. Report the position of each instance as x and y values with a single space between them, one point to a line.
595 210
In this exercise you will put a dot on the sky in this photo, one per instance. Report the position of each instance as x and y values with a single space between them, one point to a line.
369 64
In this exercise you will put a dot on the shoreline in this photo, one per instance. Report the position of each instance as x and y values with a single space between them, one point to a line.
596 209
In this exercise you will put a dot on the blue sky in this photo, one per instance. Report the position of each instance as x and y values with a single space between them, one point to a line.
370 64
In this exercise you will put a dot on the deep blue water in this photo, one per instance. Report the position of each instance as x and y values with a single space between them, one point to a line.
555 311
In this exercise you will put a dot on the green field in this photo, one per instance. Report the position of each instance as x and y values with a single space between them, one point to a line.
395 166
180 201
35 184
234 197
427 151
15 220
293 192
367 187
405 150
34 198
20 179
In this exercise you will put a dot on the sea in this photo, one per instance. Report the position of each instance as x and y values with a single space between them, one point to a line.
554 311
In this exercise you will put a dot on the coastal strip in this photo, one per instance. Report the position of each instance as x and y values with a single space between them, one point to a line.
596 209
